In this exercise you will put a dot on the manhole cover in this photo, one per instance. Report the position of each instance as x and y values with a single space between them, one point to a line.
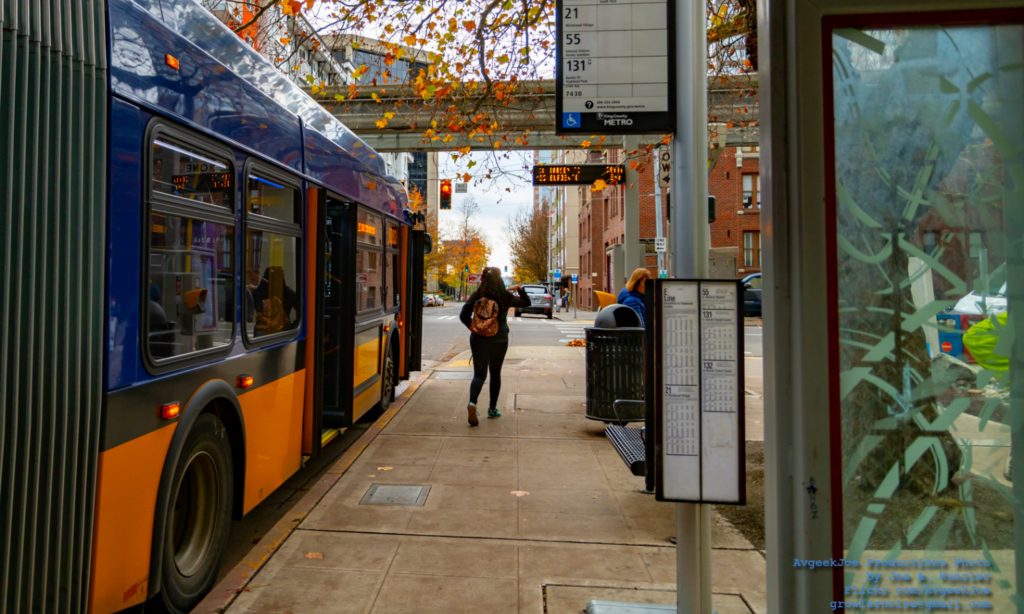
394 494
453 375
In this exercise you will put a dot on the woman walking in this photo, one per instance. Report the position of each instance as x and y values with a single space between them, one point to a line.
633 294
485 314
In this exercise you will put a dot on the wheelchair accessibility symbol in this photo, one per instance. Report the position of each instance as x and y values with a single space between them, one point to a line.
571 120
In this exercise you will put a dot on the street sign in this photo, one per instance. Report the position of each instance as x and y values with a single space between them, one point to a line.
558 274
699 414
661 245
461 188
574 278
577 174
615 71
665 168
474 278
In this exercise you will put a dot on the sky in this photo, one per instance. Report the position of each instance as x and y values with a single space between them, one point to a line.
498 198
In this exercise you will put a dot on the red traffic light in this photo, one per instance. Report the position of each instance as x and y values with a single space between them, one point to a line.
446 187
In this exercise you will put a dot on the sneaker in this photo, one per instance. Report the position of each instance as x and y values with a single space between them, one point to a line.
493 413
471 409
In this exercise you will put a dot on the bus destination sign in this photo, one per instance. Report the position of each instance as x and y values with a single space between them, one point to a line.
577 174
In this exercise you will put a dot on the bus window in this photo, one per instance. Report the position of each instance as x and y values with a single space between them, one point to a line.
368 226
273 301
271 199
180 171
191 285
368 279
273 231
391 281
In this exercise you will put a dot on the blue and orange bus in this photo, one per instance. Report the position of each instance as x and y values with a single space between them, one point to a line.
263 287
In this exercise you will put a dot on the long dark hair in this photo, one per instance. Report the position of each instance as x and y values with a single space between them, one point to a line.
492 285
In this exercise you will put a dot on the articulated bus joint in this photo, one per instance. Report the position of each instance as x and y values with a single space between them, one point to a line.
219 398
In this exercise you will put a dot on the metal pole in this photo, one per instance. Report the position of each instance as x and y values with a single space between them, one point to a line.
660 231
634 256
690 260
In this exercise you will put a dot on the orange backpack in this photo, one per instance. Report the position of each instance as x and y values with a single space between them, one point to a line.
485 318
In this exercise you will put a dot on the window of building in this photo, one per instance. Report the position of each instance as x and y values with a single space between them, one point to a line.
751 248
752 191
273 235
190 289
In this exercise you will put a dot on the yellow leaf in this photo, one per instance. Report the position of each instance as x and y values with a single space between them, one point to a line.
291 7
409 40
285 41
599 185
389 114
447 138
497 144
381 123
585 144
503 58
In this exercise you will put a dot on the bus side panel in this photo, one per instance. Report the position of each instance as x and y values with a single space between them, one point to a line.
129 477
365 401
273 433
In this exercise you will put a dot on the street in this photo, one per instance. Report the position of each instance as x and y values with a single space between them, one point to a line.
444 336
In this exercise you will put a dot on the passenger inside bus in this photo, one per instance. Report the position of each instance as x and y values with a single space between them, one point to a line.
271 302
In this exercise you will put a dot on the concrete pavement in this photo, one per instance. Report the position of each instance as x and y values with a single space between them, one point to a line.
532 512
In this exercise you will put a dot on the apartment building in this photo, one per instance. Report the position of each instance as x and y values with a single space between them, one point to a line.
735 182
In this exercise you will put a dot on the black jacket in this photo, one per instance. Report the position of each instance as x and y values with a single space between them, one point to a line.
504 304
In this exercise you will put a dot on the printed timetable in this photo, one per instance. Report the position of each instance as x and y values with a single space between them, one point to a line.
699 406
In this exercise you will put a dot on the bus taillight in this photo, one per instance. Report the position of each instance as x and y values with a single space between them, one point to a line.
169 411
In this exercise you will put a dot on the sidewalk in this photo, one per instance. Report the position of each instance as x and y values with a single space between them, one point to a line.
531 513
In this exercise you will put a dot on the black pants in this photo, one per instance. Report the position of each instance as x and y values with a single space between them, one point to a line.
488 353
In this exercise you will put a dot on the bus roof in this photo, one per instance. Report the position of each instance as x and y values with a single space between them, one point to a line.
261 114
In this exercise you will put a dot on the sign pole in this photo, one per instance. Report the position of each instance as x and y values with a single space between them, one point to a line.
689 183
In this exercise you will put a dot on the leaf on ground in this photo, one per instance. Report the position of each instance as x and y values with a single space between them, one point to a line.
520 493
384 468
315 555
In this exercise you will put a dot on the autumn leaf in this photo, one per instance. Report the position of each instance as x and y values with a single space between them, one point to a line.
315 555
503 58
599 185
409 40
381 123
466 177
286 40
291 7
469 25
388 115
372 185
520 493
585 144
339 97
384 468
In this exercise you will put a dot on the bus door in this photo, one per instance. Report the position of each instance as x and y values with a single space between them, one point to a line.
419 245
338 313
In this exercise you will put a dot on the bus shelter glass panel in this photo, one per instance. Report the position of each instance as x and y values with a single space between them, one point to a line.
928 277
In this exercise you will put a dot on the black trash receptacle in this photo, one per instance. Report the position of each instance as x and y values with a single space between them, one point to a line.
615 364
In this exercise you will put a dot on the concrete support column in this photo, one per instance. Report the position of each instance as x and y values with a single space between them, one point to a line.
634 253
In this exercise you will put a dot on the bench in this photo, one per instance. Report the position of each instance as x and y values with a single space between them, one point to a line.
628 442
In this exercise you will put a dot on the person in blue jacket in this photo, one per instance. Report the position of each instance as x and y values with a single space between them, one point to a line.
632 295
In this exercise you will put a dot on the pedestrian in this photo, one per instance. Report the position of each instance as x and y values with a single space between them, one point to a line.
485 314
632 295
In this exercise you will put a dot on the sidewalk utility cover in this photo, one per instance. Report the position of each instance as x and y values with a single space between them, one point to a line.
392 494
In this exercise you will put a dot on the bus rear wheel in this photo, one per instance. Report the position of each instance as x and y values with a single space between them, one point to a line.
199 517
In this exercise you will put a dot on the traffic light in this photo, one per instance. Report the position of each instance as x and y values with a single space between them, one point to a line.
506 268
446 193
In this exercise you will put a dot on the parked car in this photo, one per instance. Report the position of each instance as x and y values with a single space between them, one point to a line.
439 300
752 295
541 301
430 300
426 300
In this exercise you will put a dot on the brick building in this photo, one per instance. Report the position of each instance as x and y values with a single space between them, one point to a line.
602 220
735 183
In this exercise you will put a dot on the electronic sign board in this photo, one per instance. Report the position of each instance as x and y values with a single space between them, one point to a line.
577 174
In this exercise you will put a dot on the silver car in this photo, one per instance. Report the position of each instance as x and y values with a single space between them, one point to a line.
541 301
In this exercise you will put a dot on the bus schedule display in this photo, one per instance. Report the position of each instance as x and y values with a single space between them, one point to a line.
577 174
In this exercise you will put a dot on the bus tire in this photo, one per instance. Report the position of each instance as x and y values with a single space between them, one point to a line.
387 392
199 517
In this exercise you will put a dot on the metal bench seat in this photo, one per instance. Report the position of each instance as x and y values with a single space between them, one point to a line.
629 443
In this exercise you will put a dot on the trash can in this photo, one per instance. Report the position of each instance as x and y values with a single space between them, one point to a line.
615 364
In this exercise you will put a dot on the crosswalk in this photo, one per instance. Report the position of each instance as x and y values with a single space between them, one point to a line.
455 317
571 330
